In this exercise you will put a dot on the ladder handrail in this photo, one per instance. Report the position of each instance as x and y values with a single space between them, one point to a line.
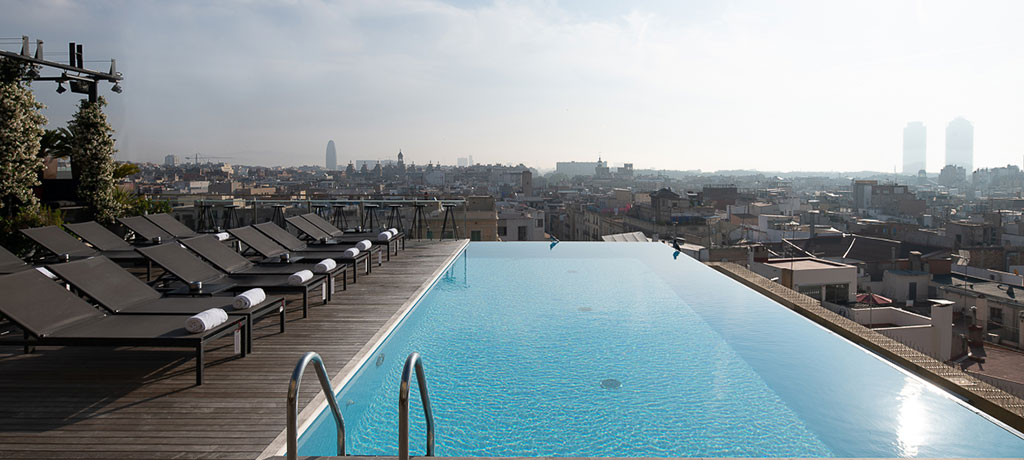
403 406
293 403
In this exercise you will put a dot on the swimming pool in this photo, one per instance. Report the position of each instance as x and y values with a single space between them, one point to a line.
622 349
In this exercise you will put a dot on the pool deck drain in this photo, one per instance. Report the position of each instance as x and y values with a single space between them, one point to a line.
987 398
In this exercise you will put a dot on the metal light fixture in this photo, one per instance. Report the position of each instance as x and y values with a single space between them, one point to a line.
117 88
60 87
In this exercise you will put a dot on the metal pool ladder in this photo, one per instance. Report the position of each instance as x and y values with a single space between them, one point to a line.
325 384
403 407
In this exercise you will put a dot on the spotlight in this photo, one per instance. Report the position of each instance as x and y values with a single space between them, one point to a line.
117 88
60 87
33 72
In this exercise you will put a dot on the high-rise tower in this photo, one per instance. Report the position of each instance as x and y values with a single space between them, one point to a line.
960 144
914 147
332 156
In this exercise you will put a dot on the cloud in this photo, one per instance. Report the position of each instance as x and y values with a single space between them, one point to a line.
799 85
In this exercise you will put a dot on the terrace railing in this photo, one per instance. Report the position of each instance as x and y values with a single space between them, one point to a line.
419 219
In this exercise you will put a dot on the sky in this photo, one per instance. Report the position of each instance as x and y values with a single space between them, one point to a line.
811 85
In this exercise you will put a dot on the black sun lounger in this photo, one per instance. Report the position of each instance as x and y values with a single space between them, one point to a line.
99 236
52 315
227 260
121 293
270 249
145 230
323 225
171 225
59 242
10 263
313 232
342 236
391 245
299 247
185 266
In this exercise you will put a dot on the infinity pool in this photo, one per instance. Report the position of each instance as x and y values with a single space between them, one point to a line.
627 349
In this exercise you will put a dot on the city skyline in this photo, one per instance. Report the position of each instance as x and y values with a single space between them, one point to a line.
701 85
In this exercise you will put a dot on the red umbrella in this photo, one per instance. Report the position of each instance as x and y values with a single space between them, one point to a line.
873 299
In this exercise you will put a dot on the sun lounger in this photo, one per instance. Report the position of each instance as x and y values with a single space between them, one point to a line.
323 224
227 260
267 247
59 242
122 293
171 225
51 315
10 263
298 247
307 224
145 230
185 266
99 236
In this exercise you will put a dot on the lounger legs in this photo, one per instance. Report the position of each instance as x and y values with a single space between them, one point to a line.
281 311
305 302
199 364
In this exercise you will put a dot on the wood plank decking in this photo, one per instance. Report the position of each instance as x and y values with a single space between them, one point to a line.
143 403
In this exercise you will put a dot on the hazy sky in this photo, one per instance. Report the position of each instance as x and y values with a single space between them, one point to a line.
794 85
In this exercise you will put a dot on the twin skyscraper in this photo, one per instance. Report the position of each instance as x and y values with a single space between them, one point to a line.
959 146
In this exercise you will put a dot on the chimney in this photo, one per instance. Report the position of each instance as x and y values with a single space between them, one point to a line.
915 261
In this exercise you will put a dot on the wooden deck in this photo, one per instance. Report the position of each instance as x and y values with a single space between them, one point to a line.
143 403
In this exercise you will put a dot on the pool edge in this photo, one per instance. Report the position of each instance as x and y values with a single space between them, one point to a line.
308 414
988 399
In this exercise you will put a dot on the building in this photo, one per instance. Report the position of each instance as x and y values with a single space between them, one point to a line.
171 160
818 278
914 147
574 168
332 156
862 193
960 144
520 223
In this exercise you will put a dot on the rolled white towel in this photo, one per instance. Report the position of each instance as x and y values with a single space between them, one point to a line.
223 236
350 253
394 231
46 273
325 266
249 298
300 277
384 236
206 320
364 245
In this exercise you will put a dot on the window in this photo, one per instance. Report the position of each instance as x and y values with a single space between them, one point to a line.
474 235
996 315
502 231
522 233
837 293
540 223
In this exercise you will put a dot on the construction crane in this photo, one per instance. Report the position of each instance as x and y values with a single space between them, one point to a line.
207 157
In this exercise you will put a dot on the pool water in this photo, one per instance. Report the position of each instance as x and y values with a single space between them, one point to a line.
628 349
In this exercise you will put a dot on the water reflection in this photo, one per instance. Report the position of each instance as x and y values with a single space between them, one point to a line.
913 419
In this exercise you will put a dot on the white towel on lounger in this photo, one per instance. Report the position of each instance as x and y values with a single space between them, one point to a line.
364 245
249 298
394 231
325 266
206 320
350 253
384 236
223 236
300 277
